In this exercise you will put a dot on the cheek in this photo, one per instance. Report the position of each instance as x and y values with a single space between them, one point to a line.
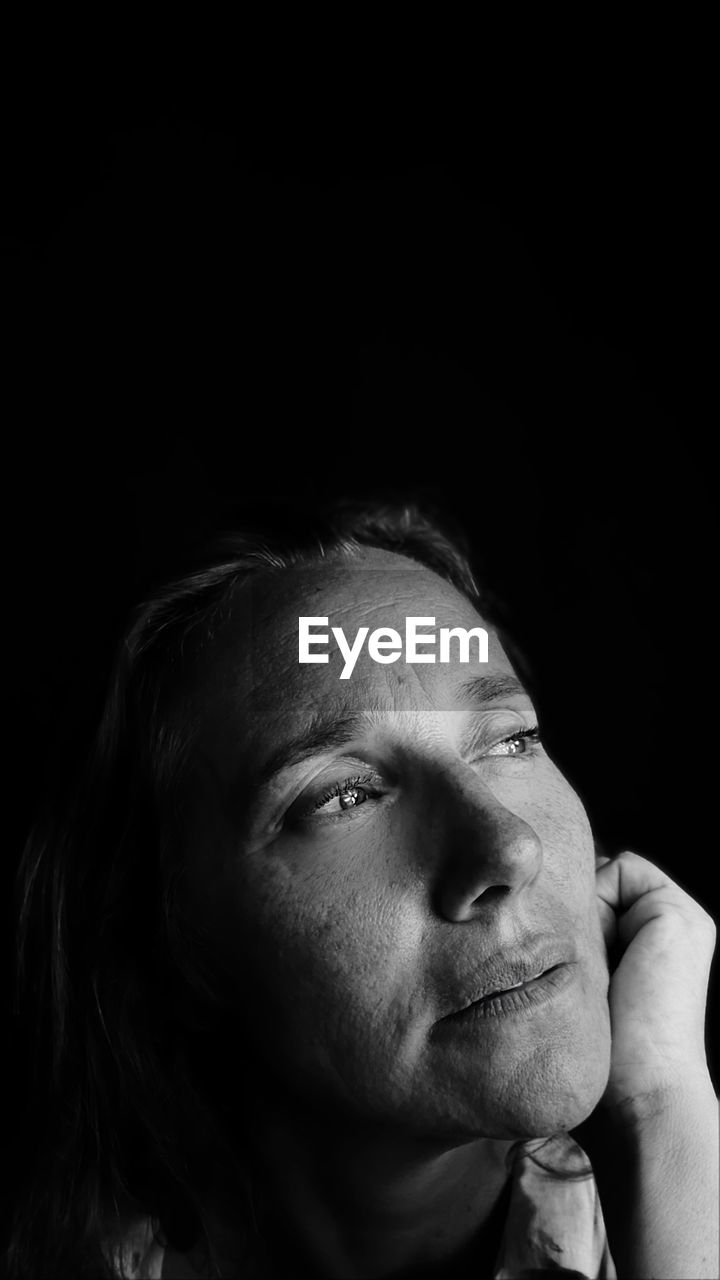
567 837
557 814
560 820
340 955
323 956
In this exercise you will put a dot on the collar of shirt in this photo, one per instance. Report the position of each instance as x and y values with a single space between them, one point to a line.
554 1224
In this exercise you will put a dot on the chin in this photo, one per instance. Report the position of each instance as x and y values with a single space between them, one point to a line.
554 1098
540 1119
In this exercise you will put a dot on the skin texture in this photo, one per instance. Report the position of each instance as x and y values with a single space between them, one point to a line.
343 940
349 936
362 929
655 1138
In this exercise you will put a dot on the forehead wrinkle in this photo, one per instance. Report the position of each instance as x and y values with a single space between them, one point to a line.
379 688
340 575
264 682
266 674
372 604
285 597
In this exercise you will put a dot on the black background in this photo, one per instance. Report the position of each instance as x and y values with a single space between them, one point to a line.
513 319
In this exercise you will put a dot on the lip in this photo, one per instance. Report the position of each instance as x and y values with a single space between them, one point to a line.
522 1000
517 970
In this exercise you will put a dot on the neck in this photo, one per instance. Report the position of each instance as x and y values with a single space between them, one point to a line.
359 1201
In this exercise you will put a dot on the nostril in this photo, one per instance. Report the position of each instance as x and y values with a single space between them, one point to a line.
492 892
461 907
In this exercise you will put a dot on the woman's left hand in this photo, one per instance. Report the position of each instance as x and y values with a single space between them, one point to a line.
653 1140
658 987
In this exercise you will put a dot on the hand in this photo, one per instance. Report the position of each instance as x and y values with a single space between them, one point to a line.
660 943
653 1141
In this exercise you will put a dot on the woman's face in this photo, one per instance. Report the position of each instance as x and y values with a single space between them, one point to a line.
357 932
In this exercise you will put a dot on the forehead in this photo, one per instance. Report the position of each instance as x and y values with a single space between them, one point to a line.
252 681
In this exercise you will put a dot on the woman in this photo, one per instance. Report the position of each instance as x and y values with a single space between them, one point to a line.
317 964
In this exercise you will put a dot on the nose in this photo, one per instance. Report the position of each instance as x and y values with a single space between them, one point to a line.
486 851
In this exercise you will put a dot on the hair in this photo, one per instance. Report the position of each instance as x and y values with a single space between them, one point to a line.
120 1115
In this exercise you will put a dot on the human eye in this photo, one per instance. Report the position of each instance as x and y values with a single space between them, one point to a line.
521 742
341 798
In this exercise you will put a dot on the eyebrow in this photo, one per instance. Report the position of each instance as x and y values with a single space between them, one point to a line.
481 689
323 733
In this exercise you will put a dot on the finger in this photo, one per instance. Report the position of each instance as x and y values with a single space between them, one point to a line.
641 893
620 881
608 923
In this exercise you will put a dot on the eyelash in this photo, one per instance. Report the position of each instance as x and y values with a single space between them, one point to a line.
531 735
338 788
366 781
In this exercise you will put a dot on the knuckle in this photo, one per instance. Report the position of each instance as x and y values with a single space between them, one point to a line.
708 923
700 926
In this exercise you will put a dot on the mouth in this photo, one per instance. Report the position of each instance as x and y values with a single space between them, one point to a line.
518 977
516 986
521 997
